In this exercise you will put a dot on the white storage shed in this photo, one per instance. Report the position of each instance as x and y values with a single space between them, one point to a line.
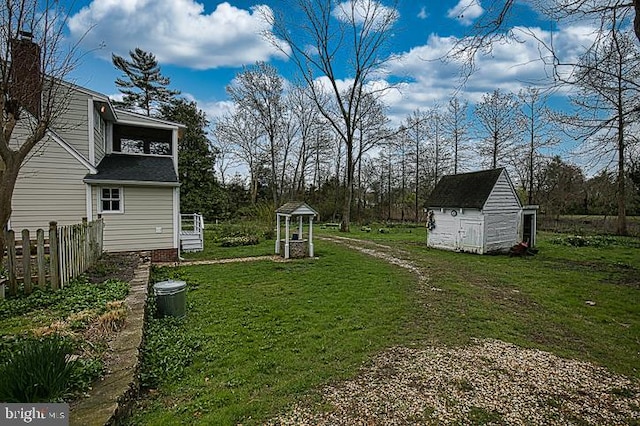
478 212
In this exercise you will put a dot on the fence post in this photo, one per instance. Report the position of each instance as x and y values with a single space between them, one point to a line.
54 264
26 261
11 262
42 280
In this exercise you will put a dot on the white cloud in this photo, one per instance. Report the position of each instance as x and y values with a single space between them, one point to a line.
361 10
429 81
466 11
178 32
423 13
216 109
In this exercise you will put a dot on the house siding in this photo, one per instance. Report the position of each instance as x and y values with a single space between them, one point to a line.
99 138
73 127
145 209
49 188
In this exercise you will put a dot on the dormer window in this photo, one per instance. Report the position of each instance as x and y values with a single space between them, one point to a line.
141 140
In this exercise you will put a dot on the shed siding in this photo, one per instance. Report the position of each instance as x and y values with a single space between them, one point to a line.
145 209
501 230
446 234
502 197
49 187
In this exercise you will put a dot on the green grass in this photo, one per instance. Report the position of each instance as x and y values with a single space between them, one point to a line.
214 235
539 301
268 333
259 336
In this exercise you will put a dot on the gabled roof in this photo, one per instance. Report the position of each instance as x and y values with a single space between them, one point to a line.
465 190
135 169
296 208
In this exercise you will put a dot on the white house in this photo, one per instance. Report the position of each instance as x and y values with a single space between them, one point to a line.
478 212
99 161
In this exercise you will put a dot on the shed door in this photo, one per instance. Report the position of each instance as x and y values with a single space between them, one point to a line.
470 236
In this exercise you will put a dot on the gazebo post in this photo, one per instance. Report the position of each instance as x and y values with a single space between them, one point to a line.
310 236
277 233
286 238
300 227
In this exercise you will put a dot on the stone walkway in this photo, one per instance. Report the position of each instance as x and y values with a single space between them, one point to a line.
108 400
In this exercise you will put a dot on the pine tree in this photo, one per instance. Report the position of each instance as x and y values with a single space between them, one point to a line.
142 84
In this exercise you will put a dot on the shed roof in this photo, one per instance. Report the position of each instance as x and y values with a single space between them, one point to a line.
296 208
135 168
465 190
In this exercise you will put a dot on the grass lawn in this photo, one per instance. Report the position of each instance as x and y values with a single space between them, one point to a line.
261 335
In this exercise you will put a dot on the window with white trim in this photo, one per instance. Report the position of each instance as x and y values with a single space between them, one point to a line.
111 200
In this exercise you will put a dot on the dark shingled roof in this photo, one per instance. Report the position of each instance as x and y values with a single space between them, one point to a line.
138 168
466 190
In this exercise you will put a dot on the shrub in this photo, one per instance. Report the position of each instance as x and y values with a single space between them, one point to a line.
239 241
38 370
594 241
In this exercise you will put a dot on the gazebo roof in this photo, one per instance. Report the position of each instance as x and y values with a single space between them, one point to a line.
296 208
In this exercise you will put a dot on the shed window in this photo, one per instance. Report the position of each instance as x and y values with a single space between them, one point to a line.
111 200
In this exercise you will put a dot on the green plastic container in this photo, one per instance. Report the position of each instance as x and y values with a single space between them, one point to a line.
171 298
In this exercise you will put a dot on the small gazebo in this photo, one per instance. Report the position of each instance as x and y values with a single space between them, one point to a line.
293 245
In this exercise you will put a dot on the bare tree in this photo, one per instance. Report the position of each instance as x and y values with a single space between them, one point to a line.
457 131
312 35
495 23
259 91
416 131
224 154
304 113
496 114
534 119
242 132
32 65
608 106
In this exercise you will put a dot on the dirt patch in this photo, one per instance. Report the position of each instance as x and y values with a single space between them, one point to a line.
113 266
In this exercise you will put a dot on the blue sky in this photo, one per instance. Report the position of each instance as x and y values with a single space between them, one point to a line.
202 44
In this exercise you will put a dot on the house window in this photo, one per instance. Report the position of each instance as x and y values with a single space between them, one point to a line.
111 200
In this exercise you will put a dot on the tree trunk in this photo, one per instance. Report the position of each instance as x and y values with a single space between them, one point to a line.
8 178
636 20
348 186
621 192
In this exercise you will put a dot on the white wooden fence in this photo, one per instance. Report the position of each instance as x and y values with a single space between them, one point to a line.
58 257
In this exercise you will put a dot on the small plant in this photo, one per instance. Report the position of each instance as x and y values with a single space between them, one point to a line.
168 349
114 317
239 241
38 370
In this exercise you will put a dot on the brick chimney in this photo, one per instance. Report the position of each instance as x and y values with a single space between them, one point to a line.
26 82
